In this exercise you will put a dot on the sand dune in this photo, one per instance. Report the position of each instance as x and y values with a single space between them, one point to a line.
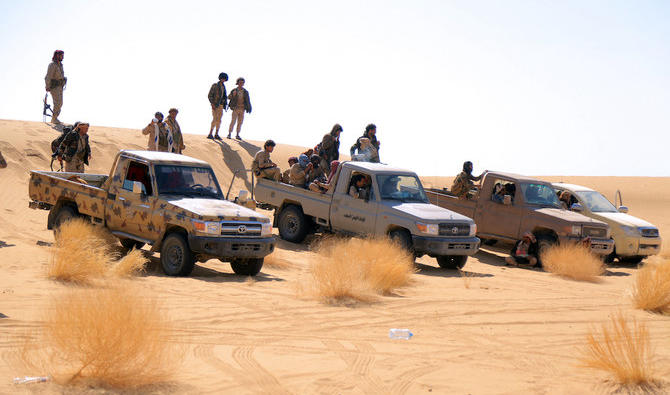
511 331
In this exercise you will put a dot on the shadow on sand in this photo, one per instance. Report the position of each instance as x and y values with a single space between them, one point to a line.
3 244
436 271
233 161
207 274
251 149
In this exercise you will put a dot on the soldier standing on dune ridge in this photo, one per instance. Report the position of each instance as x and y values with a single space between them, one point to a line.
55 83
240 103
218 100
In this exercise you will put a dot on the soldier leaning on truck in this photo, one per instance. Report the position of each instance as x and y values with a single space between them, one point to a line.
75 149
463 183
55 83
262 166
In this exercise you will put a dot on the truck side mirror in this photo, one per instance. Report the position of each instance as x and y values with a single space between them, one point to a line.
576 207
623 209
137 187
507 200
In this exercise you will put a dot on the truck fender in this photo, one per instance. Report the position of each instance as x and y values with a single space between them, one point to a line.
56 207
169 228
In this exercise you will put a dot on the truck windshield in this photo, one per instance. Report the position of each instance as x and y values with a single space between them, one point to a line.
187 181
596 202
540 194
404 188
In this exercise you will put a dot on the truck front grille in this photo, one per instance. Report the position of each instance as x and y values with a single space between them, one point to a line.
595 232
454 229
250 229
649 232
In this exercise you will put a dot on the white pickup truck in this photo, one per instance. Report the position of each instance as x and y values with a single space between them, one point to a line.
394 204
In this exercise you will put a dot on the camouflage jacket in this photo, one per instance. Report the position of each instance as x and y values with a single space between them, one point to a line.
217 95
463 184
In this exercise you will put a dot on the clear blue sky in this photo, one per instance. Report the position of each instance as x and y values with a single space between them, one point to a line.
535 87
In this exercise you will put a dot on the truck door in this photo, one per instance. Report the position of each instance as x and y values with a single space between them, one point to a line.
497 214
354 214
130 212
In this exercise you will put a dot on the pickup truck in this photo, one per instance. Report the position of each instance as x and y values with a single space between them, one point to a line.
634 238
393 204
171 202
508 205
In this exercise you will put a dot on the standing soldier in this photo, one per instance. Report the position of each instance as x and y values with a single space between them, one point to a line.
75 150
55 83
177 138
262 166
240 103
371 134
463 183
218 99
3 162
330 147
159 134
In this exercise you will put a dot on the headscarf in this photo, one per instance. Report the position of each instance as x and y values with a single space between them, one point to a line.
529 236
303 160
333 168
292 159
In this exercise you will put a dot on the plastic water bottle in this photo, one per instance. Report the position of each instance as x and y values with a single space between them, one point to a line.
403 334
30 379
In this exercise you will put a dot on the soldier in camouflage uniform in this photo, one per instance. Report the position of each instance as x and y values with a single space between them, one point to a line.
463 184
177 138
157 126
286 176
55 83
262 166
75 150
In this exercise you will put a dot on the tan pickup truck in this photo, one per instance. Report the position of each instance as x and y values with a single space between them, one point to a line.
507 205
171 202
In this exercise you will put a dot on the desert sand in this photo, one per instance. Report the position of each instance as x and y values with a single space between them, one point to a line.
499 330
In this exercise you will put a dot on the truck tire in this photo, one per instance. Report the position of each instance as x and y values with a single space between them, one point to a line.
129 244
176 257
609 258
543 244
247 267
65 213
292 224
403 238
454 262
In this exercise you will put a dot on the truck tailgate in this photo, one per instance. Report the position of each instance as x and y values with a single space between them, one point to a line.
50 187
461 206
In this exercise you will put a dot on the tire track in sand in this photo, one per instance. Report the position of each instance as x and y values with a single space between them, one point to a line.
360 363
267 382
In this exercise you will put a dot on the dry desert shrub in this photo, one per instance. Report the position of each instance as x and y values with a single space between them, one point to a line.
275 262
83 253
573 261
110 337
355 270
133 263
651 289
622 349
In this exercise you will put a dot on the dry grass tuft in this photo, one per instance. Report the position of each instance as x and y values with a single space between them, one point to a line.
623 350
134 263
275 262
573 261
109 337
651 289
355 270
83 253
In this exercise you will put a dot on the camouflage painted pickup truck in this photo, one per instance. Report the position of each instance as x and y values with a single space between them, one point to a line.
507 205
171 202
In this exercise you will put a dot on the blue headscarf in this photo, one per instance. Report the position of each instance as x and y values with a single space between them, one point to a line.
303 160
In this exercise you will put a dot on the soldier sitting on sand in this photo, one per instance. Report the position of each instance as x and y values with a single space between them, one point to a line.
262 166
463 185
524 252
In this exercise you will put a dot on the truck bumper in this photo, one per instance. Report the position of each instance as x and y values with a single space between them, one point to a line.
228 248
598 246
439 246
638 246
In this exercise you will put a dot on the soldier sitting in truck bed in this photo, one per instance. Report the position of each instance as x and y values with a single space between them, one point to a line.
463 185
263 166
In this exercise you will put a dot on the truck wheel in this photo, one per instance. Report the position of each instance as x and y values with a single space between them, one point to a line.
403 238
176 256
65 213
452 261
292 224
489 242
247 267
609 258
129 244
544 243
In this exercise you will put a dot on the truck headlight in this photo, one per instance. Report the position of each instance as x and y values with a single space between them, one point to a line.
266 229
431 229
212 228
473 229
630 230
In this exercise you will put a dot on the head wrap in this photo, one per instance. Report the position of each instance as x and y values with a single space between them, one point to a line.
303 160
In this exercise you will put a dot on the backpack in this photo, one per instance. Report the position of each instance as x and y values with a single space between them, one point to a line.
55 144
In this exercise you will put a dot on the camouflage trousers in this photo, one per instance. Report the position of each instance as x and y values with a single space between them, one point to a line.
217 113
57 97
74 165
238 115
271 174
